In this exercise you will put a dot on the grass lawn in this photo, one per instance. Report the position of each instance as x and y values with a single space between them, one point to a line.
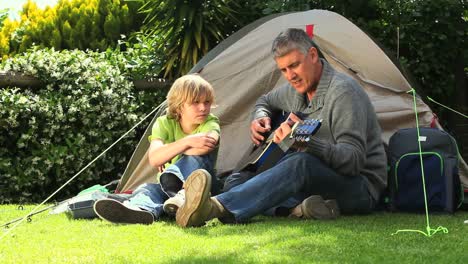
350 239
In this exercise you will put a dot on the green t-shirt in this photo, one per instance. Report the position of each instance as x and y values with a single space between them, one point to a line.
168 130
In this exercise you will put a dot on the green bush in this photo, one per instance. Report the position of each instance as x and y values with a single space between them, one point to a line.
47 135
142 57
80 24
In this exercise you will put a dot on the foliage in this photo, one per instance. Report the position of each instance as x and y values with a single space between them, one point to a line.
347 8
7 30
143 59
3 16
349 239
75 24
428 37
431 40
48 135
187 29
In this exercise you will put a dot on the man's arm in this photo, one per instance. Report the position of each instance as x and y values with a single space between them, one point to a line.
277 99
263 111
348 123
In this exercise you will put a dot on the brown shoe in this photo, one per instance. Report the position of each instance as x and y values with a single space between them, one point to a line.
314 207
198 205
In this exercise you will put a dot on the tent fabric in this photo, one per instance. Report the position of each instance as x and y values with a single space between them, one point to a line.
241 69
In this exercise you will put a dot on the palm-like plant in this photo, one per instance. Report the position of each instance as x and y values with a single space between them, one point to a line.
188 29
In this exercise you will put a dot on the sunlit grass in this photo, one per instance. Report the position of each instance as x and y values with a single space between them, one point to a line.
350 239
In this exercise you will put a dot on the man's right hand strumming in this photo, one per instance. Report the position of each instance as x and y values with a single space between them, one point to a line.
258 128
285 128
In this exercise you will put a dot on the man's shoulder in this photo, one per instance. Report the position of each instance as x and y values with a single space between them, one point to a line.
343 79
342 84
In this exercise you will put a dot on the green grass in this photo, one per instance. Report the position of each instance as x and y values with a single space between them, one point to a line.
350 239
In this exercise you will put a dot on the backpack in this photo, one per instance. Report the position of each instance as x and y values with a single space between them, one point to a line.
440 158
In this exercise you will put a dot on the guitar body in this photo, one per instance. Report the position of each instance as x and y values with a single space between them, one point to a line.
269 153
261 158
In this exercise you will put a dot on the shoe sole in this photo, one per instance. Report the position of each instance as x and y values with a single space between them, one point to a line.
197 190
115 212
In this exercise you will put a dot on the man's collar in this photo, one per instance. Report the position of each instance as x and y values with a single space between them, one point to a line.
322 87
325 79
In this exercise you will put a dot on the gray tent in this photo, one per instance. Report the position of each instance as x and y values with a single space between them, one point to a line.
241 69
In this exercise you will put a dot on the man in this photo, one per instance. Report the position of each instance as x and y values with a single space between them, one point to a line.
345 161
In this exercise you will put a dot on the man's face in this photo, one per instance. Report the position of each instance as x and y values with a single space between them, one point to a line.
300 70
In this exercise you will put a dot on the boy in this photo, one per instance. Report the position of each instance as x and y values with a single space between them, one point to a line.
182 141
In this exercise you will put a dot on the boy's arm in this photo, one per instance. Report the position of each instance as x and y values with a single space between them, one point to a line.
197 144
205 149
160 153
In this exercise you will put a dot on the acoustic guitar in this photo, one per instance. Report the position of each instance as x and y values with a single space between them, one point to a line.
269 153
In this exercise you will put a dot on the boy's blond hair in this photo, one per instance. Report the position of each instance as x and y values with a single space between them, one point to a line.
187 89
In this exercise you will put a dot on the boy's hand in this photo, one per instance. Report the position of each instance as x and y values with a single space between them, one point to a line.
285 128
258 127
201 141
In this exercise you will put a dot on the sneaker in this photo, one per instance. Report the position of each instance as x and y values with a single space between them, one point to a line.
314 207
116 212
172 204
198 206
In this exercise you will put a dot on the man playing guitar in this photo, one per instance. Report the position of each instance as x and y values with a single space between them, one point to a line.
342 167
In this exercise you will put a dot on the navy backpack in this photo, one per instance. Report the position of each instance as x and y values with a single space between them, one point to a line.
440 160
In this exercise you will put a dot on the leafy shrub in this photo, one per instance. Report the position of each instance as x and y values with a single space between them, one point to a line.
48 135
142 57
81 24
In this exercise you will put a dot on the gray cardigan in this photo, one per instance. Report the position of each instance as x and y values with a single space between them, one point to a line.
349 140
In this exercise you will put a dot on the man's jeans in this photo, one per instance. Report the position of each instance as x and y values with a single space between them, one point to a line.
295 177
151 196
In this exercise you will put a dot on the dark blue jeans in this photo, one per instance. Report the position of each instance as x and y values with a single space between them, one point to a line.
295 177
151 196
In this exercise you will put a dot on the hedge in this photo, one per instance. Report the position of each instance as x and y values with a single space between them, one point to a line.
47 135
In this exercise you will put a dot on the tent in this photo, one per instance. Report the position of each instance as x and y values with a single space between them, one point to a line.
241 69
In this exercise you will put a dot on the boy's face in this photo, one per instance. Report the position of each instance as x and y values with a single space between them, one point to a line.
196 112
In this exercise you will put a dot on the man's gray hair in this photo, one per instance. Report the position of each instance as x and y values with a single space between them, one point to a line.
291 39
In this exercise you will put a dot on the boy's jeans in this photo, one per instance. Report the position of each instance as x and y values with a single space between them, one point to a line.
151 196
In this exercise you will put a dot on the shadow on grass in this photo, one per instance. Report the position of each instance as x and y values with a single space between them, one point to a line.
358 238
353 239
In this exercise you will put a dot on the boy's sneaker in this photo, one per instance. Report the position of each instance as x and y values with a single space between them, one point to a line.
197 207
314 207
172 204
116 212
